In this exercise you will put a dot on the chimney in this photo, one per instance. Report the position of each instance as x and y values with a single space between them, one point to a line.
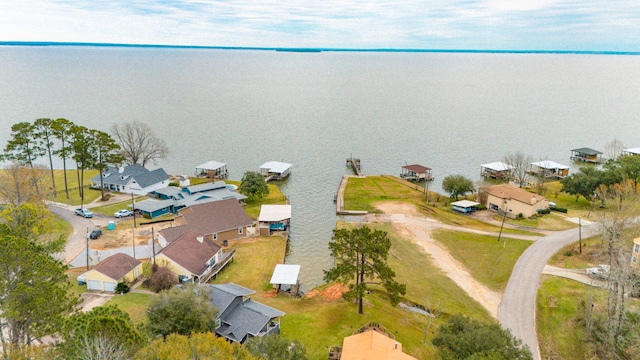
200 239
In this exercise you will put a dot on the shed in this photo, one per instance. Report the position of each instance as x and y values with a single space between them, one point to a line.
416 172
464 206
274 218
586 155
285 278
212 170
496 170
275 170
111 271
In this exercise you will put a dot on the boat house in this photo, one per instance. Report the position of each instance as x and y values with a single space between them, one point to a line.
549 169
496 170
275 170
273 218
416 172
632 151
213 170
285 278
586 155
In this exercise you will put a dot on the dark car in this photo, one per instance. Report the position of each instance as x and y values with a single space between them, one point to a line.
95 234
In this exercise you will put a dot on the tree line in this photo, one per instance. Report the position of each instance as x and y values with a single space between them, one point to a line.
45 139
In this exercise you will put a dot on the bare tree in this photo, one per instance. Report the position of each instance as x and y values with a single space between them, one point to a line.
426 318
101 347
521 164
138 142
613 149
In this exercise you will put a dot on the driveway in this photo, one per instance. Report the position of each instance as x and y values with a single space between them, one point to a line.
517 310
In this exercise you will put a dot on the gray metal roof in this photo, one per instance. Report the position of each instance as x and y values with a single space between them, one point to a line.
169 191
587 151
211 165
548 164
206 187
276 166
274 212
285 274
497 166
144 177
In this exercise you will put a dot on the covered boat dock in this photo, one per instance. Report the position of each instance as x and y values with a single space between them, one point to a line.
416 172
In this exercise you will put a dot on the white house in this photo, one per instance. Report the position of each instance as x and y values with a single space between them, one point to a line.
132 179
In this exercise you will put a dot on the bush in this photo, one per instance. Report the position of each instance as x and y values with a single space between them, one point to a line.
544 211
558 209
162 278
122 288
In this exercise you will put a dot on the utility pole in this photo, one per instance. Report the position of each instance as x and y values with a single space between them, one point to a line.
87 240
153 245
133 233
133 209
580 232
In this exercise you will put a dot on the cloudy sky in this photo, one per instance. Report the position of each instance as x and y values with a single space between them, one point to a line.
585 25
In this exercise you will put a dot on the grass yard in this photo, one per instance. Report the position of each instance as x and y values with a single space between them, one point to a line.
320 324
559 317
551 221
362 193
488 260
252 207
135 304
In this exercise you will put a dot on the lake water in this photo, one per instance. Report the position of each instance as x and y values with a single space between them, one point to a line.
449 111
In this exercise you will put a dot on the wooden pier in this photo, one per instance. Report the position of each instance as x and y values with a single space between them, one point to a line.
354 163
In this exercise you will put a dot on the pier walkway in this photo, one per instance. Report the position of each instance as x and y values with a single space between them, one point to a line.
355 164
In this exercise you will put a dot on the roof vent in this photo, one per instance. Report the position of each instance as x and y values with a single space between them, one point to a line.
200 239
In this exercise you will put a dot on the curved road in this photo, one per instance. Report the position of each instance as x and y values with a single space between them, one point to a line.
517 312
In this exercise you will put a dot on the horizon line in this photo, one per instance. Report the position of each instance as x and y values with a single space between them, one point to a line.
313 49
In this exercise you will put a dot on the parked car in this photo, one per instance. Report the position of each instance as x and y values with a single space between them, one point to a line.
599 272
95 234
84 213
123 213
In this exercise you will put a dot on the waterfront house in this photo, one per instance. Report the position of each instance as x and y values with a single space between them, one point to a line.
587 155
213 170
549 169
194 257
108 273
416 172
273 218
496 170
171 199
275 170
132 179
240 317
514 202
220 221
371 342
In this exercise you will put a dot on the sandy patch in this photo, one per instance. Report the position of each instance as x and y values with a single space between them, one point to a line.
330 293
91 300
410 224
111 239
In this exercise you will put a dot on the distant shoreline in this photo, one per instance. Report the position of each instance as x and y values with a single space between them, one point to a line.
309 50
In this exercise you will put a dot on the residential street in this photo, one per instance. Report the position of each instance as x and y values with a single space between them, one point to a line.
517 310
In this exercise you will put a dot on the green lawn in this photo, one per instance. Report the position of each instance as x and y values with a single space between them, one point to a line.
135 304
488 260
559 317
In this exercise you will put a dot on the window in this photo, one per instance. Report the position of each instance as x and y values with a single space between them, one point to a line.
636 248
240 230
634 259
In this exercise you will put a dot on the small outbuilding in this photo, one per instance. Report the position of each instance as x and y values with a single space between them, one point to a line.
464 206
274 218
285 278
275 170
587 155
632 151
111 271
496 170
213 170
416 172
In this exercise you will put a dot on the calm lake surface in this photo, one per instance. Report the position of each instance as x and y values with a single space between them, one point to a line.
448 111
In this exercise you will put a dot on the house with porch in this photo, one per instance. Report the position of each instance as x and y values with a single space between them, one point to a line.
133 179
549 169
416 172
370 342
514 202
109 272
240 317
219 221
194 257
587 155
496 170
171 199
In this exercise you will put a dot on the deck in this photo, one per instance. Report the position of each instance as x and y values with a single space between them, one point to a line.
354 163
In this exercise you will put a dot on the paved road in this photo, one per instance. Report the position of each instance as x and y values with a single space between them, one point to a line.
517 310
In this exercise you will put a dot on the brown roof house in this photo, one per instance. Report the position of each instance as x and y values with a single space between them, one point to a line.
111 271
513 201
371 342
219 221
194 257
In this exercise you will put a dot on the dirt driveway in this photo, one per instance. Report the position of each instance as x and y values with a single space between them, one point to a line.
93 299
409 223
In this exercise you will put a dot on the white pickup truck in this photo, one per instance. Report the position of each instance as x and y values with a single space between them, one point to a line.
599 272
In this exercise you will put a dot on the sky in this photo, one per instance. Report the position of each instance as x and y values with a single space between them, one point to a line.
557 25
